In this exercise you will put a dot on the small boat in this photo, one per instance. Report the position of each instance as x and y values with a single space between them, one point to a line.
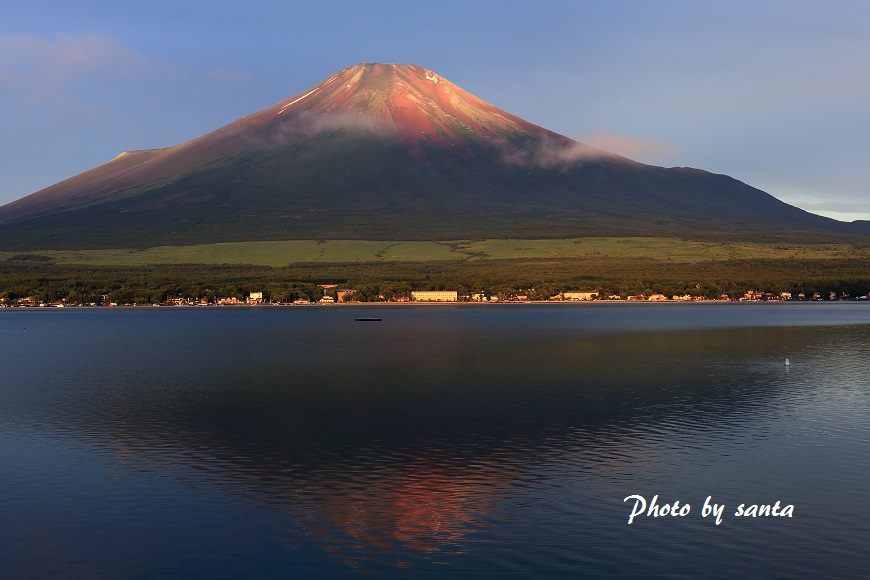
787 363
368 319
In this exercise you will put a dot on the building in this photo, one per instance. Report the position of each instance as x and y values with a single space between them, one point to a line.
255 298
751 296
579 295
435 295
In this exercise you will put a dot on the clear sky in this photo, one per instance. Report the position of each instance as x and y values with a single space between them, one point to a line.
774 93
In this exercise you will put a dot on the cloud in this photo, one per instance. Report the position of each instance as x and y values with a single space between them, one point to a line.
549 153
835 206
308 124
842 201
52 71
554 154
566 153
840 209
35 70
631 147
294 127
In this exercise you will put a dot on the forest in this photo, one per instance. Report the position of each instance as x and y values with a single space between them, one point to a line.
539 279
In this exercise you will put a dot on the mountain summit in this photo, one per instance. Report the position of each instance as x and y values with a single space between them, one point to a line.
387 151
413 105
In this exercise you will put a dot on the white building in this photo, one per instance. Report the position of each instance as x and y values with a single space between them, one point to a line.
434 296
578 295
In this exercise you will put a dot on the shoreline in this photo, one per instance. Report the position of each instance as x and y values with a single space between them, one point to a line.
554 303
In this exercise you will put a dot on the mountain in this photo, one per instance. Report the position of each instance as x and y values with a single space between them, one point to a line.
389 152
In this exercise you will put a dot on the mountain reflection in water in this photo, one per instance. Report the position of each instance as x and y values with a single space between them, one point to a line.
472 440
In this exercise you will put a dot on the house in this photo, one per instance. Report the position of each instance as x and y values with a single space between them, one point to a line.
657 298
481 297
327 300
751 296
255 298
579 295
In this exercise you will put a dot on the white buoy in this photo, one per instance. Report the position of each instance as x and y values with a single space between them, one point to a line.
787 363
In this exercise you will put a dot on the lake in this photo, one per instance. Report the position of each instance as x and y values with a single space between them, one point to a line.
449 441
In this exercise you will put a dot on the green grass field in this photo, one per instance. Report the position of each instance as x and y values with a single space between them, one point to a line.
282 253
658 248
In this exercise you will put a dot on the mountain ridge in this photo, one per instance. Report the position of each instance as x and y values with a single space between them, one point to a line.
378 151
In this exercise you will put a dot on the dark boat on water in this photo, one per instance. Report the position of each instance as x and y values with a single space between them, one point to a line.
368 319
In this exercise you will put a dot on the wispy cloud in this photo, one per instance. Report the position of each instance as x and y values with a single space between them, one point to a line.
842 200
566 153
38 71
631 147
834 208
49 71
307 124
555 154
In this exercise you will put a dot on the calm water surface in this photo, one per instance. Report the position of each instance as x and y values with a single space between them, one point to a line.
447 441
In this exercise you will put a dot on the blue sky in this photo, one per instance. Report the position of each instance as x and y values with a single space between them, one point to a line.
773 93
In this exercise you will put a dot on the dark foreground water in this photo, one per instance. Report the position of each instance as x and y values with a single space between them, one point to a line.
440 442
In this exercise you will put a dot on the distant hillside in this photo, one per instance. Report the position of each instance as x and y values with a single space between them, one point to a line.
391 152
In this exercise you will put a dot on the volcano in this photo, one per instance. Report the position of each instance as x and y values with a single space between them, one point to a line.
389 152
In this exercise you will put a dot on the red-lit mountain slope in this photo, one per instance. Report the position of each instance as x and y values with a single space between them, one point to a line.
384 151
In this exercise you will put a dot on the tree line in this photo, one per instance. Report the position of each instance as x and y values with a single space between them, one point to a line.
538 278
